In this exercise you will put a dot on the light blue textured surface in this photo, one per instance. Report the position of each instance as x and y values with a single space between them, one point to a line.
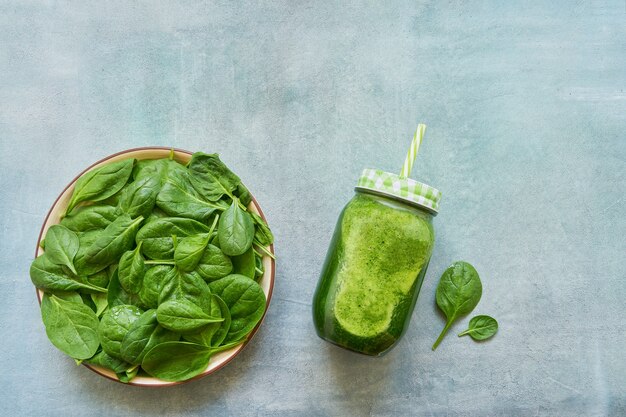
526 108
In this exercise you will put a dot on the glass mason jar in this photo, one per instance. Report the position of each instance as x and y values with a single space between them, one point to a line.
376 263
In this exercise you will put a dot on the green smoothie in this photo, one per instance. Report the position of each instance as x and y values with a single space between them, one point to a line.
373 272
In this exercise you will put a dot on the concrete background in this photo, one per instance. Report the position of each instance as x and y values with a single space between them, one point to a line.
526 112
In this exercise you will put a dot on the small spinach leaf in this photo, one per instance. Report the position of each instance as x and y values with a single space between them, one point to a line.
61 246
116 295
153 281
176 361
243 194
221 333
481 328
117 238
245 300
71 327
99 279
259 268
181 315
178 198
235 230
245 263
262 232
163 169
85 239
458 292
211 177
157 235
214 264
109 362
113 327
207 334
47 275
101 183
138 198
131 270
186 285
189 251
100 300
88 218
72 296
144 334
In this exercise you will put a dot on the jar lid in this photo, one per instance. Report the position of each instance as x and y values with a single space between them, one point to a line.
403 188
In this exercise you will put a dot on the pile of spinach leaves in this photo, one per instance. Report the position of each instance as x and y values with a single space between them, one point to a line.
154 267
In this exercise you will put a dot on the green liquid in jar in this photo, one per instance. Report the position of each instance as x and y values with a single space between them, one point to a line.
373 273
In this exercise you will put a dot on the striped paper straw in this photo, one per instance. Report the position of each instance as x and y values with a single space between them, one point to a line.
415 146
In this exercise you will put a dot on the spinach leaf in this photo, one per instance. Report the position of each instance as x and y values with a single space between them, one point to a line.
207 334
176 361
124 371
214 264
101 183
116 295
221 333
178 198
109 362
211 177
245 264
481 328
153 282
138 198
88 218
243 194
157 235
117 238
100 301
235 230
49 276
72 296
189 251
156 214
259 269
144 334
86 299
262 233
99 279
145 168
181 315
186 285
163 169
228 345
86 239
131 270
245 300
62 246
70 326
458 292
127 376
114 325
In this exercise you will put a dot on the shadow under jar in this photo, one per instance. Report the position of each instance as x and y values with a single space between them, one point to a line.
376 263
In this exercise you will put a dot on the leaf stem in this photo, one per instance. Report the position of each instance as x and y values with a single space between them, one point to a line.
265 251
217 216
466 332
443 333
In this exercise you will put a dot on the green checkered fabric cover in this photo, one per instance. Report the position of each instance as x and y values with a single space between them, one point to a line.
403 188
